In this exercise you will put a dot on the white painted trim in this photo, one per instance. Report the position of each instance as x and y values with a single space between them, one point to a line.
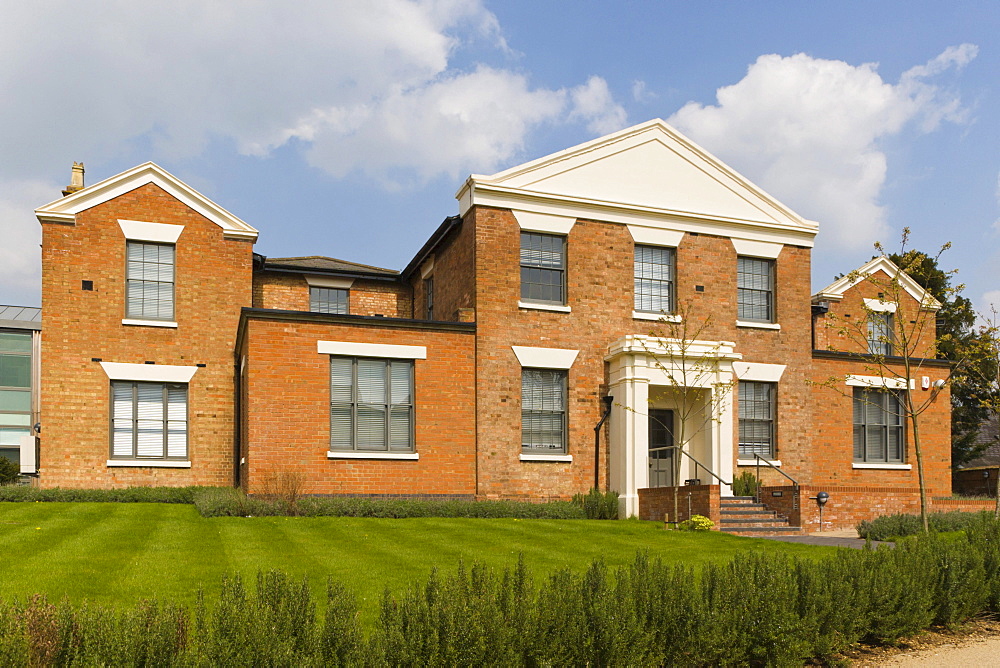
151 463
149 323
352 349
543 222
757 325
137 230
546 458
545 358
753 462
764 249
544 307
329 282
880 306
157 373
668 317
655 236
883 264
427 268
887 467
878 381
355 454
766 373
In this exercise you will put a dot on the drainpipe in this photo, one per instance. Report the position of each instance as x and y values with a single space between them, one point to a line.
608 401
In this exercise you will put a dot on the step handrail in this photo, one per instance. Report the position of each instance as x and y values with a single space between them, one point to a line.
795 483
707 470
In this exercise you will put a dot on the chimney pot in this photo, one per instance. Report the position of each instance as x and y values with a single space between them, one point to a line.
75 179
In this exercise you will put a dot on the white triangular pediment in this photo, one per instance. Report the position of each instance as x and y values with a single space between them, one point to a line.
835 291
650 169
65 209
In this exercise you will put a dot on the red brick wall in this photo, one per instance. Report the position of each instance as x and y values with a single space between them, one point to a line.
454 277
291 292
655 503
212 284
288 410
600 293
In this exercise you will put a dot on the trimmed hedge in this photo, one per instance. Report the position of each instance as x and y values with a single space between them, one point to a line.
223 502
125 495
756 610
889 527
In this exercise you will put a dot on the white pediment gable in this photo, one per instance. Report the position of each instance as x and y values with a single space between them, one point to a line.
835 291
651 170
65 209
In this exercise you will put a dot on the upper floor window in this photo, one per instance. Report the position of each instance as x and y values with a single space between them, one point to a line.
149 281
148 420
757 411
879 431
15 391
328 300
543 268
654 279
880 335
429 297
543 411
755 289
371 404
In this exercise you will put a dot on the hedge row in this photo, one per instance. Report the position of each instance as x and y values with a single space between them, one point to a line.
890 527
219 502
755 610
125 495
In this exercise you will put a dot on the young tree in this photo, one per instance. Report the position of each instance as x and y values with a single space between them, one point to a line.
896 338
696 390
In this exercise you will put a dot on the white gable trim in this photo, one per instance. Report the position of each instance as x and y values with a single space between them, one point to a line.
655 236
763 249
329 282
157 373
545 358
835 291
64 210
351 349
135 230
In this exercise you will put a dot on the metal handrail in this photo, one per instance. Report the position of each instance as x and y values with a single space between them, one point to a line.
707 470
795 483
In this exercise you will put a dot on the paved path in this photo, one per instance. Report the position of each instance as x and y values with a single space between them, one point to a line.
846 538
978 652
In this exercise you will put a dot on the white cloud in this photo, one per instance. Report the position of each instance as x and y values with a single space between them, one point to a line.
996 223
20 256
640 93
594 105
808 130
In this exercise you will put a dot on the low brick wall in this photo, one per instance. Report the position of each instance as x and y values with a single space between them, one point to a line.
655 503
847 505
971 505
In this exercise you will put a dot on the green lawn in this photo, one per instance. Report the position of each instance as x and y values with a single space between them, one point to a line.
119 553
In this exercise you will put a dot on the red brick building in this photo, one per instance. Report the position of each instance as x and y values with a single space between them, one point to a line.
635 266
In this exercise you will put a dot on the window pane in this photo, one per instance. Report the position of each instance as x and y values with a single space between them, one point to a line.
13 454
879 434
15 370
755 291
149 438
542 267
328 300
11 436
371 381
653 284
150 281
341 379
756 416
341 427
15 419
543 410
400 378
371 404
149 420
15 342
121 438
371 428
15 400
399 428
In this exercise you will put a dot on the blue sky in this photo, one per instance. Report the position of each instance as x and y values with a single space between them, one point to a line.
345 128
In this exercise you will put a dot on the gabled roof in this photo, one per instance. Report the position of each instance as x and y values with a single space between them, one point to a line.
65 209
323 264
835 291
646 175
989 436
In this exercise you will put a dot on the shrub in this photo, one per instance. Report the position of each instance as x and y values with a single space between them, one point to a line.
696 523
9 471
745 484
598 505
888 527
124 495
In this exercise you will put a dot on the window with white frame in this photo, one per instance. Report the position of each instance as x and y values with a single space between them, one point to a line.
755 289
15 391
329 300
371 404
879 431
654 279
880 335
149 284
543 268
543 411
149 420
757 418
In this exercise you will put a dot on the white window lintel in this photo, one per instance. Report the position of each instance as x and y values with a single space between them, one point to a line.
151 463
530 221
156 373
135 322
878 381
886 466
879 306
546 458
357 454
661 317
329 282
545 307
764 249
766 373
757 325
384 350
137 230
545 358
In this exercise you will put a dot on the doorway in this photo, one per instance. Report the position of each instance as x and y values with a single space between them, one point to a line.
661 454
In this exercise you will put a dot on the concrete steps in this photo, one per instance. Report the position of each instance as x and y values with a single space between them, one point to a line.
741 516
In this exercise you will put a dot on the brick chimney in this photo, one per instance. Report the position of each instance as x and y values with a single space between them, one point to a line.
75 179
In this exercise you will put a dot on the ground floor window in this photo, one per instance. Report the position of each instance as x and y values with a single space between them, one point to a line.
757 418
879 434
149 420
371 404
543 411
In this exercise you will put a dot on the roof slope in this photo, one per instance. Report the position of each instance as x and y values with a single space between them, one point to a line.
324 264
65 209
